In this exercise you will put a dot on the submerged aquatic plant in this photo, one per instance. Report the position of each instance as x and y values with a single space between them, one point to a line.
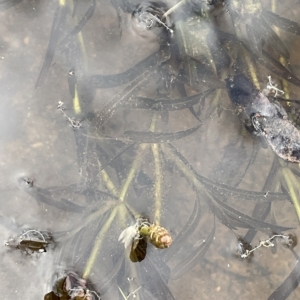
133 146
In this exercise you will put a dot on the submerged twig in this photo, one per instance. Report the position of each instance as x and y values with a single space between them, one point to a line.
173 8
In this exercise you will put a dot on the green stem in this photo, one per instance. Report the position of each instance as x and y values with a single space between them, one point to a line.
136 164
108 182
158 182
291 182
144 230
98 242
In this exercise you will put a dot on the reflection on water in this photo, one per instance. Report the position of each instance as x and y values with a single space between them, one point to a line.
117 129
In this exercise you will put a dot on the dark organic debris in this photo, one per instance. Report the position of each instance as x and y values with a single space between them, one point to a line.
242 248
289 240
72 287
138 250
265 118
31 241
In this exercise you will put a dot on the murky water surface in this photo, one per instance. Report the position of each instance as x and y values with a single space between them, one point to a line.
116 114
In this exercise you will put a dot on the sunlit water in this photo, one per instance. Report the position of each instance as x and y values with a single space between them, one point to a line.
39 143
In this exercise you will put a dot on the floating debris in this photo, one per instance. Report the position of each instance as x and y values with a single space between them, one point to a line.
129 234
289 241
31 241
243 247
138 234
73 287
73 122
151 14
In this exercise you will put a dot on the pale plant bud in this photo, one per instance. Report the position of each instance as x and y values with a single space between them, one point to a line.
159 236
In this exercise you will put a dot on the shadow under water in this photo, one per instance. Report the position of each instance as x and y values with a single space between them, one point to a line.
150 149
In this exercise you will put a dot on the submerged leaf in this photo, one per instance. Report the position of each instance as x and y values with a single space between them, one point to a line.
247 221
169 104
110 81
225 191
272 38
186 231
57 26
44 196
255 39
197 254
110 108
277 68
89 13
281 22
152 281
288 286
154 137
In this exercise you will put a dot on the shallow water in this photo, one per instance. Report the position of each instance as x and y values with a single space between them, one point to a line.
51 178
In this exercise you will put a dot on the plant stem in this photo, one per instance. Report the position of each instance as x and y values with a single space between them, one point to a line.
98 242
108 182
292 183
136 163
158 182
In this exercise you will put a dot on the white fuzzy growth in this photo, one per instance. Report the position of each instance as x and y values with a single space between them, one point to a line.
129 234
